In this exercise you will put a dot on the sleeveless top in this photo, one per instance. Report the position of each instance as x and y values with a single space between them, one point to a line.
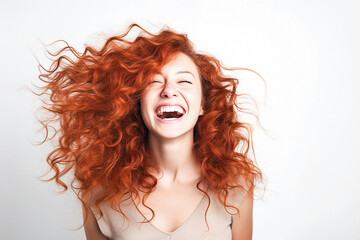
113 225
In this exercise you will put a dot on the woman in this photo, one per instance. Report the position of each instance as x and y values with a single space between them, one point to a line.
150 130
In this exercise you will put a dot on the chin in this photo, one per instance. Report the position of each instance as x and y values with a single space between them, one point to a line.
174 134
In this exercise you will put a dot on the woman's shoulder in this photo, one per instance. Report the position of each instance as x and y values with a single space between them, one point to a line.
238 191
93 194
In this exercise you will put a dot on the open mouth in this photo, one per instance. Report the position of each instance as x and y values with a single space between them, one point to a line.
170 112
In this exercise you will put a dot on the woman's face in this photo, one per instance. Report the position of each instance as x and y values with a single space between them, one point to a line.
172 103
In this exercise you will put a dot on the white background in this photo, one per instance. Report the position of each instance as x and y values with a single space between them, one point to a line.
307 51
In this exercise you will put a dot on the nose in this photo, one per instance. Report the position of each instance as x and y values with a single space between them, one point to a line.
169 90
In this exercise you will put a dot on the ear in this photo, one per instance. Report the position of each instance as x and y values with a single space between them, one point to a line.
201 112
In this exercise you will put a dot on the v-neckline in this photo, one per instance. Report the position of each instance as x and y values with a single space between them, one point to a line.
178 228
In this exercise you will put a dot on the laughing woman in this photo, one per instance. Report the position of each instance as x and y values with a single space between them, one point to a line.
149 129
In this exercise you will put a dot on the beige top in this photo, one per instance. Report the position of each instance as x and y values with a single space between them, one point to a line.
113 226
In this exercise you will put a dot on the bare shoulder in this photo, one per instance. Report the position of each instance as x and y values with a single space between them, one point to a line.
242 224
243 221
91 227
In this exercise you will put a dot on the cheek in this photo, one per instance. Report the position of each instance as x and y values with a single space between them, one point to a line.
145 100
143 106
146 103
194 100
198 96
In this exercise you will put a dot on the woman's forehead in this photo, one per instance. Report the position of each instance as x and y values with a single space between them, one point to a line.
180 63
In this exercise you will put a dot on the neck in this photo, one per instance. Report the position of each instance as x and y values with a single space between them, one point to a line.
176 158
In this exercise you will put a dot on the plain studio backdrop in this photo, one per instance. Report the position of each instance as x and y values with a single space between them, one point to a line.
308 53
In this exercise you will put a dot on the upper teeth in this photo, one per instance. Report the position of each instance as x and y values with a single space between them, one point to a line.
177 109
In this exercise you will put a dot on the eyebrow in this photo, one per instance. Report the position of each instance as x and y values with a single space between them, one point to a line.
181 72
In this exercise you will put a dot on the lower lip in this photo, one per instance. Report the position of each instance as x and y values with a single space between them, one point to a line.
169 120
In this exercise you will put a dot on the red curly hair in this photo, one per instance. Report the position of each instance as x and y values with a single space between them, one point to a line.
95 96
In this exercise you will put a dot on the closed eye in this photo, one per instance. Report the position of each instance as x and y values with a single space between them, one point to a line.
185 81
